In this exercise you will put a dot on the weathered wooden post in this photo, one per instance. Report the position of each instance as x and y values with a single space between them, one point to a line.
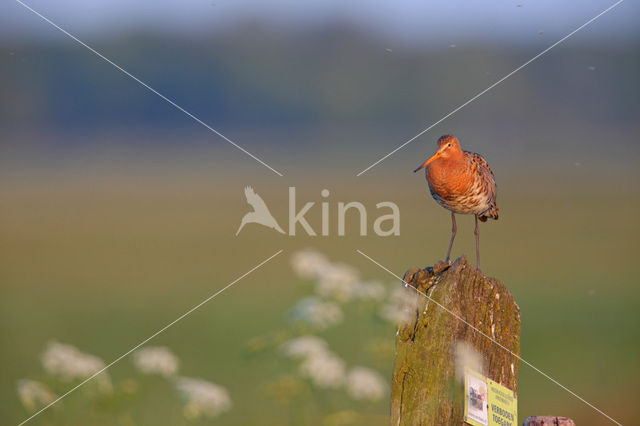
548 421
425 390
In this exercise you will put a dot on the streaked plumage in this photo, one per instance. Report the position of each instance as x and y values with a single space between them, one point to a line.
461 182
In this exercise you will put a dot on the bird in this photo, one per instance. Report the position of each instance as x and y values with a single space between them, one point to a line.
463 183
260 213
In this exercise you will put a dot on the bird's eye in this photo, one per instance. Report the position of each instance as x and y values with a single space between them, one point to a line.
448 145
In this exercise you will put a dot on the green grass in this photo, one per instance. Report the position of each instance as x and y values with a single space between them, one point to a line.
102 263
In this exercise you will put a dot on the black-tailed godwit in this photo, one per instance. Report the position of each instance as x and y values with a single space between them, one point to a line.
463 183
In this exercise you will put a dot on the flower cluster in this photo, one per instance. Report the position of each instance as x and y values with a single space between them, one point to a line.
317 313
364 383
336 284
68 363
318 363
336 288
326 370
156 360
203 398
309 264
334 281
338 281
305 346
34 394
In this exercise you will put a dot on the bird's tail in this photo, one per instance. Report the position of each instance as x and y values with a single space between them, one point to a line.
490 213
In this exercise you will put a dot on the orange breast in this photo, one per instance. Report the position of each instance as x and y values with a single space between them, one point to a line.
449 179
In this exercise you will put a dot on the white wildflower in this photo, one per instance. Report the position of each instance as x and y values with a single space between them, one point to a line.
34 394
334 280
338 281
156 360
371 290
68 363
305 346
401 306
308 264
466 356
365 384
325 369
203 398
317 313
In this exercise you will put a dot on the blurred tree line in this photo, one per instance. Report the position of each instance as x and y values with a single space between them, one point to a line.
256 77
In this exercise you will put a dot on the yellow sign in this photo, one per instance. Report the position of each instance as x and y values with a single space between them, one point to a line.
503 405
488 403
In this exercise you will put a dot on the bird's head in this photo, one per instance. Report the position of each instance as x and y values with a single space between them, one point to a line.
448 147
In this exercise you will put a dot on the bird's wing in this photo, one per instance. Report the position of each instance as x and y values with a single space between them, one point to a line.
254 199
482 165
488 180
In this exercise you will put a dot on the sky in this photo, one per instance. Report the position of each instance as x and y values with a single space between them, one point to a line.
403 21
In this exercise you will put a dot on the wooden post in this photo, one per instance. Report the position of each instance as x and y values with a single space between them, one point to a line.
548 421
425 390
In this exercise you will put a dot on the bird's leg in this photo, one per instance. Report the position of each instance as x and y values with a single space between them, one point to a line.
477 233
453 235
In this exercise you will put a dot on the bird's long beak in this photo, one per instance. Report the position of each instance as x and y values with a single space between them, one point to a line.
430 160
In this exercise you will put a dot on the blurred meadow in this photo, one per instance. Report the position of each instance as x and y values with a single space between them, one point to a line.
118 213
